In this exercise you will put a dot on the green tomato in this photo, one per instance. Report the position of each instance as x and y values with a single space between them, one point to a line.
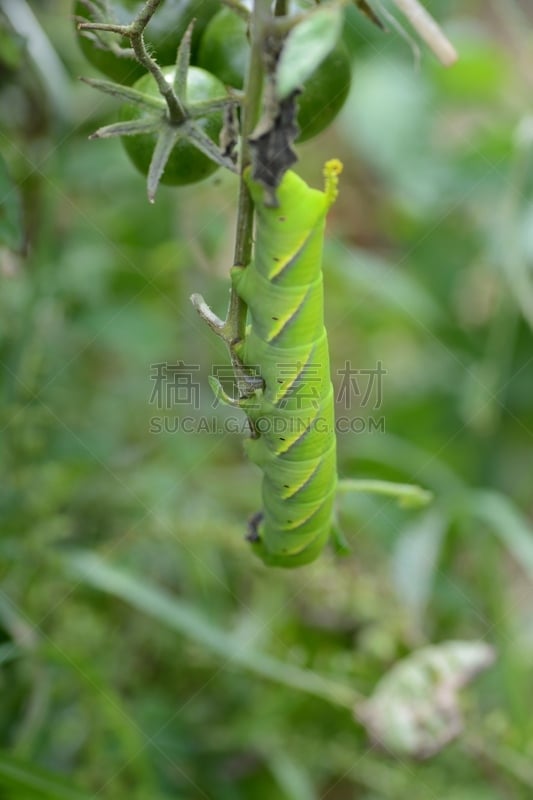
324 93
163 33
186 163
225 51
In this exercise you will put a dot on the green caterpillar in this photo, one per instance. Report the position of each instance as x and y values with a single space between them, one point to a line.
292 415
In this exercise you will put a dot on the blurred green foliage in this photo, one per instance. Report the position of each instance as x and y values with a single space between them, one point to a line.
428 270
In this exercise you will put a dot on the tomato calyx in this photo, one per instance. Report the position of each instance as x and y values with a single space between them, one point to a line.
171 116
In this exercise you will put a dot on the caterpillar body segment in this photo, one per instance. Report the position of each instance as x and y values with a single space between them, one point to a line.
292 417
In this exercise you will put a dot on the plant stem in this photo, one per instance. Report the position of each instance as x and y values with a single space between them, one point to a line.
428 30
233 329
135 33
235 324
406 494
176 111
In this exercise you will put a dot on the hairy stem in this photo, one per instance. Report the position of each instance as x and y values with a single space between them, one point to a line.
175 109
135 33
233 329
235 324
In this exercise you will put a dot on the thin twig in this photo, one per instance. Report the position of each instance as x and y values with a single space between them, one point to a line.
428 30
402 32
209 316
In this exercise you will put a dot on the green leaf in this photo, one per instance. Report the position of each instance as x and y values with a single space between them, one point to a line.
393 289
414 562
9 652
160 605
306 47
292 778
186 620
42 53
512 528
414 710
35 781
11 223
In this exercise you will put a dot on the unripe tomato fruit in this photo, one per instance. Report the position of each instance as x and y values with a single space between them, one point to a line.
225 51
186 163
324 93
163 34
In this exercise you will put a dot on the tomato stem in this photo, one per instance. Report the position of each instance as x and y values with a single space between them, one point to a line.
235 323
233 329
135 33
176 111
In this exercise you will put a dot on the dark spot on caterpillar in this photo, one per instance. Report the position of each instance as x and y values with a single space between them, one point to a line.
280 380
253 527
275 258
281 439
282 219
276 319
286 486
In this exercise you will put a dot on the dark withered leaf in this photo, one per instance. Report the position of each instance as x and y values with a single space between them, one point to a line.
272 146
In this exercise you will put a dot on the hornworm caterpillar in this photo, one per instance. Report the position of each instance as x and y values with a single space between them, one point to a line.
292 415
